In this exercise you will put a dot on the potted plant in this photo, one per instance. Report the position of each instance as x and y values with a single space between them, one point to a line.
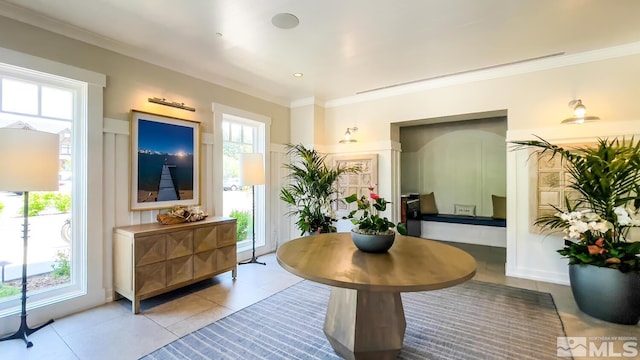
604 263
372 232
311 190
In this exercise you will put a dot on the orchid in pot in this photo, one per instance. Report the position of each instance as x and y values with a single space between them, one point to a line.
603 259
373 233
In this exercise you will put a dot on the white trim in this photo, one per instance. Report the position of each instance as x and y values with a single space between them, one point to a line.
116 126
493 73
537 275
220 113
207 138
306 102
48 67
32 18
464 233
359 147
88 289
567 133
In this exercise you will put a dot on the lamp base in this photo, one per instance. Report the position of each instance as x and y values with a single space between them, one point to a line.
253 260
24 331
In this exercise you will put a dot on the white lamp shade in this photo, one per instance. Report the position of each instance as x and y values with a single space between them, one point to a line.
29 160
251 169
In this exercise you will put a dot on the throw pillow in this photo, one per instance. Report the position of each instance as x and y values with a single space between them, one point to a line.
466 210
499 207
428 204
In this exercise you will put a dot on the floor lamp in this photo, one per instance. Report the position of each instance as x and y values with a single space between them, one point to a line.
252 174
29 161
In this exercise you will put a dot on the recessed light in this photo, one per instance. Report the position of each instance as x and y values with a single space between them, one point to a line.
298 75
285 21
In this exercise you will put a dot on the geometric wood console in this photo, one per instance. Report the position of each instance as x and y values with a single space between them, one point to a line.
151 259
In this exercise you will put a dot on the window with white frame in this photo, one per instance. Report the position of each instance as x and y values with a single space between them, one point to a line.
241 202
55 261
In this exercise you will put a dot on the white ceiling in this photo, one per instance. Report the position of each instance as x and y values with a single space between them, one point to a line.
343 47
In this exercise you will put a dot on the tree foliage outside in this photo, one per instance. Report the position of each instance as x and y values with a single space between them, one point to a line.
243 223
41 201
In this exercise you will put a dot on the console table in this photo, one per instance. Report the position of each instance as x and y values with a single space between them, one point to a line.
151 259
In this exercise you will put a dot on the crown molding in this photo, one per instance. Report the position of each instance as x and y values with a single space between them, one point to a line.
59 27
493 73
29 17
306 102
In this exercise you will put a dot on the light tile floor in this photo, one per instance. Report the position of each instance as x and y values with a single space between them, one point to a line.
111 331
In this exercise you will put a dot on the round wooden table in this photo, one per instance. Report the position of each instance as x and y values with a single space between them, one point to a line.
365 317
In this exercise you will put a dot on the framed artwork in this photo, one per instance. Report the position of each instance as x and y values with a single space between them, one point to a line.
165 161
550 185
356 183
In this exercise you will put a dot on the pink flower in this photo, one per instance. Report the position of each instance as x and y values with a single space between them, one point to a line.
372 186
374 196
593 250
612 260
599 242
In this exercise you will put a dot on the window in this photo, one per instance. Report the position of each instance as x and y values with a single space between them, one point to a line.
241 136
56 263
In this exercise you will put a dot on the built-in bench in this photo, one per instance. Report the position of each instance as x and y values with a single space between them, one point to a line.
480 230
462 219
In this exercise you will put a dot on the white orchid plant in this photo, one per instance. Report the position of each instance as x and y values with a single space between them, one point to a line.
596 225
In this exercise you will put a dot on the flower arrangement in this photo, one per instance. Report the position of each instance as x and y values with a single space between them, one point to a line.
596 225
366 217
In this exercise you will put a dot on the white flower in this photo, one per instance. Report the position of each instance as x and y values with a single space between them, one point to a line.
603 226
623 216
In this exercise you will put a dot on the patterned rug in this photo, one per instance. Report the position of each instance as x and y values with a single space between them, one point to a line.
474 320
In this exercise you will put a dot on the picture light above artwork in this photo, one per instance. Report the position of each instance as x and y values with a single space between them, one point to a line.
165 102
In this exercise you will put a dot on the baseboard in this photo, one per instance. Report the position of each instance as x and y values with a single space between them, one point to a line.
537 275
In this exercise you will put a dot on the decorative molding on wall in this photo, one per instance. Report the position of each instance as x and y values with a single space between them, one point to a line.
115 126
121 127
27 16
27 61
359 147
588 132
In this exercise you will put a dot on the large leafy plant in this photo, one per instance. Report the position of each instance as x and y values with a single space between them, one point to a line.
312 189
596 225
367 215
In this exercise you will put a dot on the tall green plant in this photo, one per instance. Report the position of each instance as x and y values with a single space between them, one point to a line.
312 189
607 178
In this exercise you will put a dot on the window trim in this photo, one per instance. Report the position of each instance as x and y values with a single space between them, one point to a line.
92 111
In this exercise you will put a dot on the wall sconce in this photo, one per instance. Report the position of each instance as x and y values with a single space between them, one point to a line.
347 136
579 113
177 105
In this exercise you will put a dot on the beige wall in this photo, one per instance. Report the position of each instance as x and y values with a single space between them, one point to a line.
535 103
130 82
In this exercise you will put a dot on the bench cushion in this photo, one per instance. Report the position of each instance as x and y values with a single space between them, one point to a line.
471 220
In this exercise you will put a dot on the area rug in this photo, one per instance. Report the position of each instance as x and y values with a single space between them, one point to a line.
474 320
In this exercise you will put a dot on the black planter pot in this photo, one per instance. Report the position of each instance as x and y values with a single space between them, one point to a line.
606 294
373 243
